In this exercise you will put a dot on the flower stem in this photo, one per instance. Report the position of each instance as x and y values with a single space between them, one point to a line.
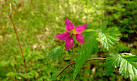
73 53
67 54
18 39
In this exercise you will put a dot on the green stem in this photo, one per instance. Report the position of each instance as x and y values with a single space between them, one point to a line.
73 52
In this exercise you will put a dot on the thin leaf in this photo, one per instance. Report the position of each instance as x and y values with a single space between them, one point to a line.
55 53
90 46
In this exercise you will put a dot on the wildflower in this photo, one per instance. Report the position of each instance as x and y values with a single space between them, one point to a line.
72 32
2 1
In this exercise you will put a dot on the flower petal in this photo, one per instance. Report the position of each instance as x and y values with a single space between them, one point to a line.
80 38
81 28
62 36
69 43
69 25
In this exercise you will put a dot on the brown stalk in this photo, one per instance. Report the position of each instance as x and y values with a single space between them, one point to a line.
65 68
74 63
96 59
18 39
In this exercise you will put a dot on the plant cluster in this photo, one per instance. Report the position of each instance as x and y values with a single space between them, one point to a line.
31 50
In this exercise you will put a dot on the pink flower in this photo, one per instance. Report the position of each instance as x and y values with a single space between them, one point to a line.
72 31
2 1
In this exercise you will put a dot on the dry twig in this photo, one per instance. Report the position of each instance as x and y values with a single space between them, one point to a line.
18 38
74 63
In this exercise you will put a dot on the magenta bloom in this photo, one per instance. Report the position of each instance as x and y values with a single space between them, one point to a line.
2 1
72 31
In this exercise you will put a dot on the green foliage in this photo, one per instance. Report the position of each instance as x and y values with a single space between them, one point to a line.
104 25
38 25
120 47
126 63
55 52
90 46
132 58
108 37
121 13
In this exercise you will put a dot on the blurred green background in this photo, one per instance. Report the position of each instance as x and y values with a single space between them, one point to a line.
39 21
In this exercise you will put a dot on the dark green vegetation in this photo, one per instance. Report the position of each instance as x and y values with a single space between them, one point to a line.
39 21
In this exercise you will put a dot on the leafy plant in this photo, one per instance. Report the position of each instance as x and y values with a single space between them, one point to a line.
38 24
126 62
107 37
